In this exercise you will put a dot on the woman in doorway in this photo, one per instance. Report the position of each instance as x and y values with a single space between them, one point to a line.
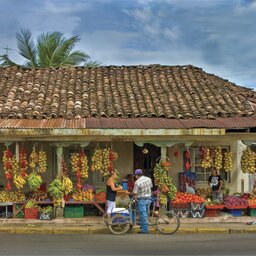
112 187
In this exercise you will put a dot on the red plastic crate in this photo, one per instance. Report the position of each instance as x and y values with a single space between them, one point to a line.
211 212
31 213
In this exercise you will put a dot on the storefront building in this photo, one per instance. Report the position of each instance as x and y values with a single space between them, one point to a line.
140 112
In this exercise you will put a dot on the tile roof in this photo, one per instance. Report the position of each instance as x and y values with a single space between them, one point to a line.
173 92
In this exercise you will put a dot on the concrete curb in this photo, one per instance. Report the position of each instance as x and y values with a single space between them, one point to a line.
104 230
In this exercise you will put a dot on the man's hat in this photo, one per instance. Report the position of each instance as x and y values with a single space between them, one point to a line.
138 171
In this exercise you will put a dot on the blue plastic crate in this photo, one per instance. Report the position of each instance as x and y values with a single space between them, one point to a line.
236 212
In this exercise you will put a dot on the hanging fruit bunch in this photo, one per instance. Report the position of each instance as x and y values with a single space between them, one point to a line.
64 167
33 159
84 165
56 191
165 163
67 184
42 161
97 160
76 167
112 158
187 156
7 162
206 160
164 184
23 162
228 161
105 162
248 161
218 157
34 180
18 180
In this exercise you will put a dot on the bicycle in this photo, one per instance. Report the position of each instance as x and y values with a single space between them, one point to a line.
120 222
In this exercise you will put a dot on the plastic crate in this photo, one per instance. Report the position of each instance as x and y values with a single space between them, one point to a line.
251 211
197 206
31 213
21 213
236 212
197 213
74 211
182 213
211 212
185 206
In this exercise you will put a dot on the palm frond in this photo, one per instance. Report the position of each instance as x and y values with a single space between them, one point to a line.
92 64
26 46
47 45
74 58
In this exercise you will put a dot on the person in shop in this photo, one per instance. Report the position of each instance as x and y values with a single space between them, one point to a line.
112 188
130 183
142 191
215 182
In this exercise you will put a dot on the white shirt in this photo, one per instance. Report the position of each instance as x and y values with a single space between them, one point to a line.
142 187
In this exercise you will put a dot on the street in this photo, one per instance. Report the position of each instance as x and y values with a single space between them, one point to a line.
130 244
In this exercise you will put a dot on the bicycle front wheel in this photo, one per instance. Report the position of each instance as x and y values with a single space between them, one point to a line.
119 224
167 223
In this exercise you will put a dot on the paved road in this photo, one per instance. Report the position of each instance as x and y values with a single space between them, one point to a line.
130 244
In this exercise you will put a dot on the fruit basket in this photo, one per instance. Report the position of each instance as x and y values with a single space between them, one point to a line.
215 206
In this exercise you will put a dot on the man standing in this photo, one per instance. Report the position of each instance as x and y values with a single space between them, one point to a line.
142 190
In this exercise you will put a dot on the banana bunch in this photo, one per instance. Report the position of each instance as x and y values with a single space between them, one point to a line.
97 160
11 196
33 159
162 199
18 181
67 185
218 157
206 161
228 161
42 161
57 202
31 203
34 180
75 162
84 165
248 161
55 189
106 161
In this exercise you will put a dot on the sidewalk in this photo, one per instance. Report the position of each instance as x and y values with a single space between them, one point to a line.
95 225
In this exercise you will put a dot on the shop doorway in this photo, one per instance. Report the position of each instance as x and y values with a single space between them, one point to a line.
147 161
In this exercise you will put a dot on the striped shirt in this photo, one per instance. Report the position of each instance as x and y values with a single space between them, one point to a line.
142 187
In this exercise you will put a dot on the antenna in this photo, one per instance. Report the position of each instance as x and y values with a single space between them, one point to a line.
8 49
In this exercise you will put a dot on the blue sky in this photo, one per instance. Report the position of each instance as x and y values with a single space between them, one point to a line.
216 35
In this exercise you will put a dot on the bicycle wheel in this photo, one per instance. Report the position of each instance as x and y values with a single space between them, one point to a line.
168 223
119 224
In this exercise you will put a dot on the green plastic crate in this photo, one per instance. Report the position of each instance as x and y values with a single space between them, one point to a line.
21 213
252 211
74 211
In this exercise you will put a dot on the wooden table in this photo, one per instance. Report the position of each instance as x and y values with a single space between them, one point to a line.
22 205
95 203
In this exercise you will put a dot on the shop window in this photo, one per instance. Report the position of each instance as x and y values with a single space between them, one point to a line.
202 174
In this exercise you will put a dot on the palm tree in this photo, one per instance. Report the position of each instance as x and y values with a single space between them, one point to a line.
50 50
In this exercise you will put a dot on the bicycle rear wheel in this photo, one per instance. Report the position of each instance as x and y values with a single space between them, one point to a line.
119 224
167 223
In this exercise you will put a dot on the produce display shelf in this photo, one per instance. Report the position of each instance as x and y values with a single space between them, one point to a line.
236 207
215 206
252 206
